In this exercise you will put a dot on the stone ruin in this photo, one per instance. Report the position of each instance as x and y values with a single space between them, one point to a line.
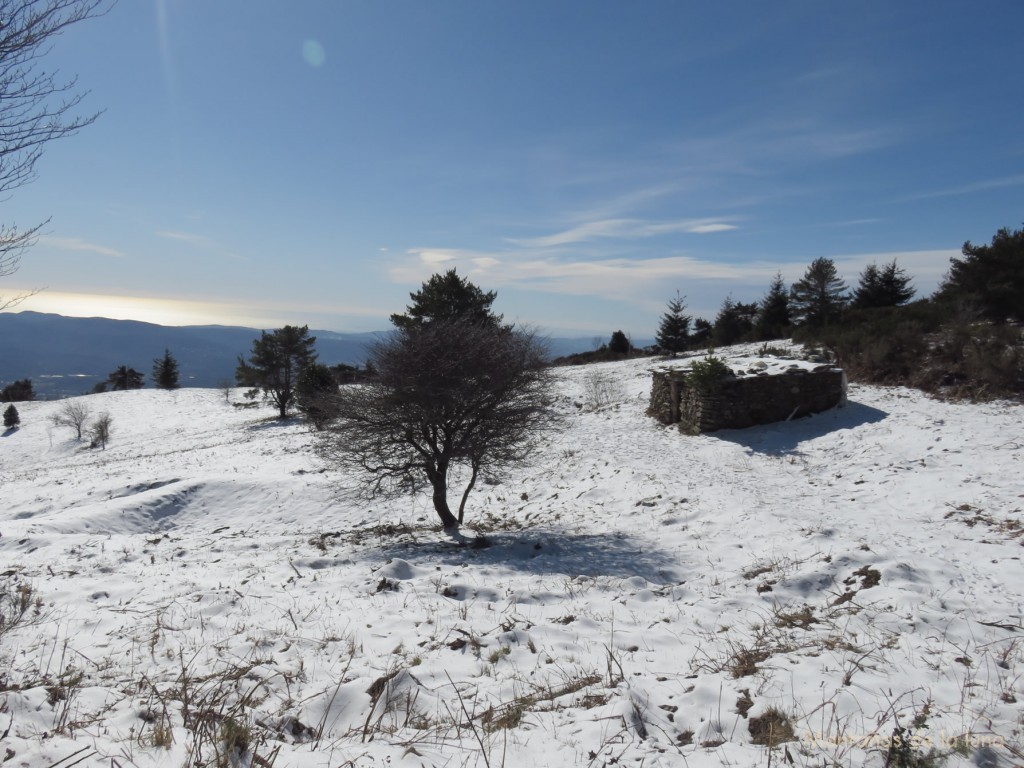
755 396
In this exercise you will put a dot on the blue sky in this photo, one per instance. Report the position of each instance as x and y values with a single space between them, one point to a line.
262 163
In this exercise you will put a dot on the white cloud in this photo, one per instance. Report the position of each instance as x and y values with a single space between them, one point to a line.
704 229
625 228
77 244
927 268
203 243
435 257
968 189
646 283
186 237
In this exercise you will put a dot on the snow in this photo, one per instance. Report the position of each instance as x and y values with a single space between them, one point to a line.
857 571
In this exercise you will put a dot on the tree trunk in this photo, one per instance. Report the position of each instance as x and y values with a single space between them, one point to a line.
439 482
465 494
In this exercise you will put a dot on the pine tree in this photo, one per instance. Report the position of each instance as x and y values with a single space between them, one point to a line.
619 344
773 318
735 321
674 331
447 297
125 378
275 364
313 392
165 371
820 296
990 278
701 332
885 287
18 391
11 417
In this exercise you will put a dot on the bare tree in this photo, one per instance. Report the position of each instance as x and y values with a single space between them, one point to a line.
446 394
35 108
73 414
100 430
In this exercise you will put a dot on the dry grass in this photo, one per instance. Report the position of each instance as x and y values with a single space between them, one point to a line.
772 728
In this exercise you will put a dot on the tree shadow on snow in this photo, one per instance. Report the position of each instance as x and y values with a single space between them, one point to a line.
272 422
544 551
783 437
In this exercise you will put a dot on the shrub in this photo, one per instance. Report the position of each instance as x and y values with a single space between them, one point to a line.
11 417
772 728
706 375
603 389
100 431
917 346
20 605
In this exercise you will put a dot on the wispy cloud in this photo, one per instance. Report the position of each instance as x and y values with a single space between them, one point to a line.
968 189
77 244
646 282
186 237
619 204
625 229
633 280
201 242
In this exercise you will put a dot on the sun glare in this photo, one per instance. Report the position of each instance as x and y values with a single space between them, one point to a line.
147 310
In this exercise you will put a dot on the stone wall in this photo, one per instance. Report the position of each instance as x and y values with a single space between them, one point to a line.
738 402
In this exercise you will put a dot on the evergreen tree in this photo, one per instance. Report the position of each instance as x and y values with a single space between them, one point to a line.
674 331
773 318
165 371
444 298
735 321
990 278
124 378
619 344
701 332
885 287
18 391
11 417
275 364
820 296
314 390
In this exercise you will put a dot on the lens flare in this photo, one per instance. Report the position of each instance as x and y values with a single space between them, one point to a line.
313 52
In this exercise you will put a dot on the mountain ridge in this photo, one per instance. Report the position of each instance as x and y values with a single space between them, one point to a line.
66 356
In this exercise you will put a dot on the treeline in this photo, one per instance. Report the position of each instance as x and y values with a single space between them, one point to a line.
961 340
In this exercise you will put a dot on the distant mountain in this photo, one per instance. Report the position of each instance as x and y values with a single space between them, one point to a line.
68 355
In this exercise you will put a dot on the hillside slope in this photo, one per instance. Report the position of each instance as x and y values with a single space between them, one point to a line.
648 598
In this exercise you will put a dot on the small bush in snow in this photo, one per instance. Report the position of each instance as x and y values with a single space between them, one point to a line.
100 431
11 417
707 374
19 605
603 389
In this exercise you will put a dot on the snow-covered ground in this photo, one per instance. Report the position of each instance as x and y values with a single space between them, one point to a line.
205 594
